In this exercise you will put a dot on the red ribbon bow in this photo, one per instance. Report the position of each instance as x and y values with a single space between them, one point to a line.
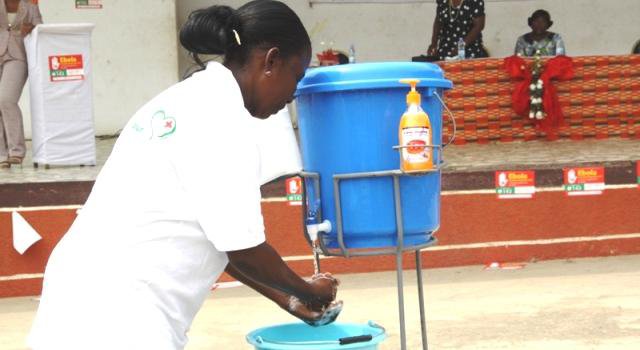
560 68
327 58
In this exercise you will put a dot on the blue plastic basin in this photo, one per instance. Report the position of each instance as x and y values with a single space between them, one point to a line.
300 336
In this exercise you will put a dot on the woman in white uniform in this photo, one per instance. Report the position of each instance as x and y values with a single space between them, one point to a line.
178 201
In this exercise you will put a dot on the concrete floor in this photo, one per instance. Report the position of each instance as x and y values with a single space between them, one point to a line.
579 304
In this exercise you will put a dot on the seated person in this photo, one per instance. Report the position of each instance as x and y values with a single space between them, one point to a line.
540 38
332 57
342 58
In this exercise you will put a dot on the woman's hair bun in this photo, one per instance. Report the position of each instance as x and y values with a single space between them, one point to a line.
221 30
208 31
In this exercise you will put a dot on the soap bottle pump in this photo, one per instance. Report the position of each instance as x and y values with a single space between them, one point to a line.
415 134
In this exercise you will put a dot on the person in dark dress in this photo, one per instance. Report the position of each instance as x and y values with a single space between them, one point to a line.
457 19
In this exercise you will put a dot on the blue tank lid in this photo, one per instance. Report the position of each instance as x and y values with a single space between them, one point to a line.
371 76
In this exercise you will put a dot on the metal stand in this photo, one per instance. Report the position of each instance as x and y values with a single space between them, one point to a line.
344 251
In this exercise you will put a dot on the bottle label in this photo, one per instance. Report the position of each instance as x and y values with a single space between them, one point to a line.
415 139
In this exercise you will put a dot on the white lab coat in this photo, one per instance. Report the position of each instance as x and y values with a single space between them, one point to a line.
181 187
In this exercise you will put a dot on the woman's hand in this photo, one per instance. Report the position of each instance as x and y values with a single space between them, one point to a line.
325 288
301 310
310 316
432 50
26 28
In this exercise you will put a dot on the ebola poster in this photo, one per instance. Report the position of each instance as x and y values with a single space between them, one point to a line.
89 4
66 68
294 190
584 181
515 184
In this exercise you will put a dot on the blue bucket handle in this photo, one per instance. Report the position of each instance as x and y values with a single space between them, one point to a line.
355 339
453 119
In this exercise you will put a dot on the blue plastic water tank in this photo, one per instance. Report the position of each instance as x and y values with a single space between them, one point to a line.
348 117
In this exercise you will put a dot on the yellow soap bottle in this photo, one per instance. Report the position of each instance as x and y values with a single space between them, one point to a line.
415 134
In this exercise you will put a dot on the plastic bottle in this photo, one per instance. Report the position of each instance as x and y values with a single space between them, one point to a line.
352 54
461 46
415 132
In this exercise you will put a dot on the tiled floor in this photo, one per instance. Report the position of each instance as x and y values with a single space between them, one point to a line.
471 157
28 173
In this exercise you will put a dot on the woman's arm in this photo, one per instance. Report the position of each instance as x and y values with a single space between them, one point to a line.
34 18
476 30
263 265
283 300
560 47
433 47
37 16
520 47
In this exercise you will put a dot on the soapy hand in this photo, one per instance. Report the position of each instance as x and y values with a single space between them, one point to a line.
325 288
323 309
313 317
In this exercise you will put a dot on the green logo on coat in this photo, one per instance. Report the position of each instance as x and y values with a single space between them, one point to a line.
162 125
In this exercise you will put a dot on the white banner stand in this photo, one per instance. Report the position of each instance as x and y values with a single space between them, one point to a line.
60 83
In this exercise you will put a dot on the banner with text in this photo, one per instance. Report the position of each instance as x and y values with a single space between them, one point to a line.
294 190
515 184
584 181
89 4
66 68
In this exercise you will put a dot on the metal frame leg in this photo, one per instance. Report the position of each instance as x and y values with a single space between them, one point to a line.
400 229
423 321
403 334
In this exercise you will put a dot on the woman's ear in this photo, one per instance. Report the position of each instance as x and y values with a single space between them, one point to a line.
270 60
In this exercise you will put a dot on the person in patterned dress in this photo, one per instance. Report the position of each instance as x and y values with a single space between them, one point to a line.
540 38
457 19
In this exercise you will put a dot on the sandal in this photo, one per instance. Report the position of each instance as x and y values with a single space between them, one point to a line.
15 160
5 165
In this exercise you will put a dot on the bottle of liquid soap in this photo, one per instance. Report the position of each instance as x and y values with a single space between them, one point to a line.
415 134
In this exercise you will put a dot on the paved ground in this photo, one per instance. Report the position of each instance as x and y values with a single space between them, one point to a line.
458 158
579 305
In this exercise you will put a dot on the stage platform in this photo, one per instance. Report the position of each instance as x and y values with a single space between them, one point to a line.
470 158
